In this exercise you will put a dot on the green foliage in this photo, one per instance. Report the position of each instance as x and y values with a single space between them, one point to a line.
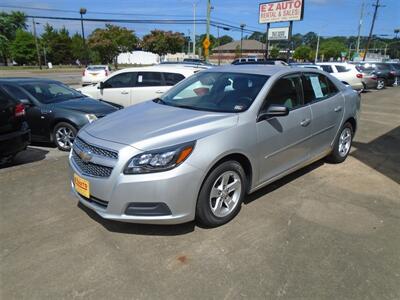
201 38
274 53
58 45
225 39
258 36
112 41
331 48
163 42
9 24
238 52
77 47
302 53
23 49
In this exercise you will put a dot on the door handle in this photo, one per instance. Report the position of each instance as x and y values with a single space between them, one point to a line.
337 109
124 93
305 122
159 92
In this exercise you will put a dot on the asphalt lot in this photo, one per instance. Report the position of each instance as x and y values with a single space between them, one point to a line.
68 76
324 232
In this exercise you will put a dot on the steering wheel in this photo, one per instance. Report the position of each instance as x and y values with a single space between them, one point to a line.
244 101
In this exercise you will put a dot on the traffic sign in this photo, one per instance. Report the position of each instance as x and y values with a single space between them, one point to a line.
206 43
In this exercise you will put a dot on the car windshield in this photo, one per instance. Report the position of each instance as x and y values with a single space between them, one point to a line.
50 92
215 91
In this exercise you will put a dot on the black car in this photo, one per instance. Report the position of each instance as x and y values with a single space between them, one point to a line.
395 67
383 72
14 131
54 111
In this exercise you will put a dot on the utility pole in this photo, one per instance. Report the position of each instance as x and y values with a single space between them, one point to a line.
37 45
316 52
188 49
377 5
194 28
241 38
208 26
82 11
359 26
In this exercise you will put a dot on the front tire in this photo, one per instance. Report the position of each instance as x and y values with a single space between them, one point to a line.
342 145
64 135
221 195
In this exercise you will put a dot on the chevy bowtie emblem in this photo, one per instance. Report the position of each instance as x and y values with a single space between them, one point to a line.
85 155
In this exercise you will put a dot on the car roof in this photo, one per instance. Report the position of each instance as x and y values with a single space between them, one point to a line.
268 70
181 69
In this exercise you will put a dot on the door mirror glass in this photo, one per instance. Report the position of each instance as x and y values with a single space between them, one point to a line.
101 85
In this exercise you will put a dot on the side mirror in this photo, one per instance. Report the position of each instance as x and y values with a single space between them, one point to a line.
26 102
101 85
274 111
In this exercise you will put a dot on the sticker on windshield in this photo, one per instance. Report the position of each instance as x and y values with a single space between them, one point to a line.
316 85
238 107
140 78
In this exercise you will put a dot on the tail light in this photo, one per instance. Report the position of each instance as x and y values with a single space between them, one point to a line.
83 74
19 110
359 75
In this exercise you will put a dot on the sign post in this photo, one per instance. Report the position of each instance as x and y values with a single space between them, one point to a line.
266 42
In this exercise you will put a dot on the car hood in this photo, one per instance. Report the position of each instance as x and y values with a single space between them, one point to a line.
87 105
150 125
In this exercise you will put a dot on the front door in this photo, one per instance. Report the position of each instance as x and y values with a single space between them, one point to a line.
283 142
118 89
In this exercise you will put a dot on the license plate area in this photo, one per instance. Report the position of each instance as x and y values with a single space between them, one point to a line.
82 186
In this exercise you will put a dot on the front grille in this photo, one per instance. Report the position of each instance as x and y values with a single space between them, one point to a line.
91 169
94 149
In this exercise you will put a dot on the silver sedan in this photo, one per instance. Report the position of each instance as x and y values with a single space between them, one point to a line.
199 149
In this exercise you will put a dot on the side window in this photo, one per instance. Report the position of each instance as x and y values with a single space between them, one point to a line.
172 78
341 69
148 79
327 68
121 80
16 92
4 99
315 87
285 92
333 90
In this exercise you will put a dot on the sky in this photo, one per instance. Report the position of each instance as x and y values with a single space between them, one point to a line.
325 17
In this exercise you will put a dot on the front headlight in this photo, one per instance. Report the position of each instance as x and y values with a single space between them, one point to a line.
159 160
91 117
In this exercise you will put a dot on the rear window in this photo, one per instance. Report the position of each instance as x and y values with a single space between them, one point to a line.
383 67
4 99
95 68
341 69
172 78
327 68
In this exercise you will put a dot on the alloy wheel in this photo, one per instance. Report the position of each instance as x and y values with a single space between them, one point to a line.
65 137
345 142
225 194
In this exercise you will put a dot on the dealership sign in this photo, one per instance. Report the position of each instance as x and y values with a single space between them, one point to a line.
278 34
281 11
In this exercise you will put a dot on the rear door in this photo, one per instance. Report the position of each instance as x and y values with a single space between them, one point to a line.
118 88
7 119
327 107
284 141
148 86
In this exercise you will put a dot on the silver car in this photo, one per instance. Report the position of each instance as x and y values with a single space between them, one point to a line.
199 149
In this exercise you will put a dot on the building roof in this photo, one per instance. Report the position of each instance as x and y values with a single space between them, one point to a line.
248 45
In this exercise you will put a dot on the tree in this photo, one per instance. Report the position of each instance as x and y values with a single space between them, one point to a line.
302 52
331 48
310 39
274 53
77 47
9 24
200 39
238 52
258 36
225 39
23 49
163 42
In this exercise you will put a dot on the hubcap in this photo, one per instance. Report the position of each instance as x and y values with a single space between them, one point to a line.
65 137
344 142
225 194
381 84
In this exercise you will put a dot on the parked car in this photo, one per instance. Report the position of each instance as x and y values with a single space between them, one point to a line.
54 111
258 61
14 131
395 68
346 73
133 85
369 79
384 73
306 65
95 73
197 150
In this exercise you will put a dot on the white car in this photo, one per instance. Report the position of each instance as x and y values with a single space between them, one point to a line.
346 73
133 85
94 74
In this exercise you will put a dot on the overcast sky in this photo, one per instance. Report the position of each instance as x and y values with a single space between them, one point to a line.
328 17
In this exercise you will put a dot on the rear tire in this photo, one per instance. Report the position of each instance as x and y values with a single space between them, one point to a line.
342 145
64 135
221 195
380 84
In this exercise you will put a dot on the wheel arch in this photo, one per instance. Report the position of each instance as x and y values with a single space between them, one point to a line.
57 121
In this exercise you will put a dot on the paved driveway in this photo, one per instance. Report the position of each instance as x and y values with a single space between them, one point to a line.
325 232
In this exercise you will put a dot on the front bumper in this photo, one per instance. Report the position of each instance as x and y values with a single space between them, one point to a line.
177 189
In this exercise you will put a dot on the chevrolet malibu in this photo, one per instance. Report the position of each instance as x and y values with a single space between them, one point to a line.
199 149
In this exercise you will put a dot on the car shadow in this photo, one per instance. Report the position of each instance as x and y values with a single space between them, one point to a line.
139 229
27 156
283 181
381 154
